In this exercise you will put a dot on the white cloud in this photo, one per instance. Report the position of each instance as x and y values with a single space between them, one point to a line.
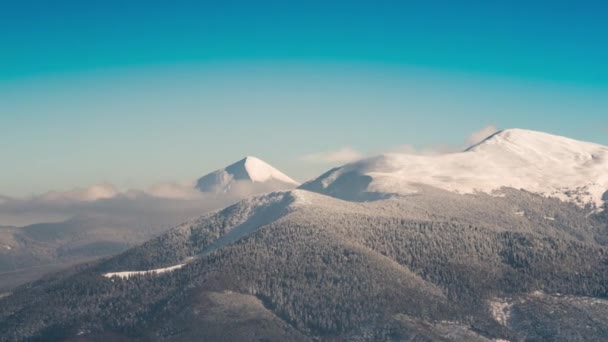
162 202
472 139
174 191
104 191
479 136
348 154
92 193
343 155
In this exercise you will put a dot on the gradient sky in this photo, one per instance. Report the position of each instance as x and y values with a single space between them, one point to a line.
135 93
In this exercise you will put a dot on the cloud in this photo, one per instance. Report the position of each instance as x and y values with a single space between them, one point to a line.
104 191
478 136
92 193
174 190
161 204
348 154
343 155
164 204
433 150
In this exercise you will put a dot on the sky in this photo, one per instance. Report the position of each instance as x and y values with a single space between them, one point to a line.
142 92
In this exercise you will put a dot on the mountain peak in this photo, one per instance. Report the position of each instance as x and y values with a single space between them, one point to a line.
538 162
530 139
245 171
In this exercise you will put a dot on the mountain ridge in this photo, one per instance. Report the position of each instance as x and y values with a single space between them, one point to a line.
428 264
539 162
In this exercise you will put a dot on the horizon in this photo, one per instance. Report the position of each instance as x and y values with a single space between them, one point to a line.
137 96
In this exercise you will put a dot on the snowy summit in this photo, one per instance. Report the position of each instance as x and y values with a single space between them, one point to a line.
534 161
249 172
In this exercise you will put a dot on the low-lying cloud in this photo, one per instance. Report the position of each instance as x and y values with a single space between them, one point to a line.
171 190
478 136
92 193
163 202
132 204
343 155
348 154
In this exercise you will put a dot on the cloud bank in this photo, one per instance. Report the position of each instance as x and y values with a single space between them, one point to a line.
92 193
164 202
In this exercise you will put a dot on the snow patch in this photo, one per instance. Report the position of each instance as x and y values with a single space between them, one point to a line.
301 198
537 293
127 274
500 310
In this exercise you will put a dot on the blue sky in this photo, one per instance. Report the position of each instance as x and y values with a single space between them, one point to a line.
145 92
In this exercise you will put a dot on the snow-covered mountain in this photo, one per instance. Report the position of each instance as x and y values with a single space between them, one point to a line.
436 266
248 175
537 162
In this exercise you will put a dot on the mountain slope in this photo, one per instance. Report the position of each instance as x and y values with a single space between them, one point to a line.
537 162
27 253
310 266
452 260
244 175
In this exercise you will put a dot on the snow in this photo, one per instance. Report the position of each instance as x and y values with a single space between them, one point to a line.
253 213
247 170
534 161
246 217
501 311
127 274
260 171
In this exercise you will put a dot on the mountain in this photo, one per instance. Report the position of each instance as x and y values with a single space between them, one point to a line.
108 223
248 175
301 266
27 253
419 262
533 161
